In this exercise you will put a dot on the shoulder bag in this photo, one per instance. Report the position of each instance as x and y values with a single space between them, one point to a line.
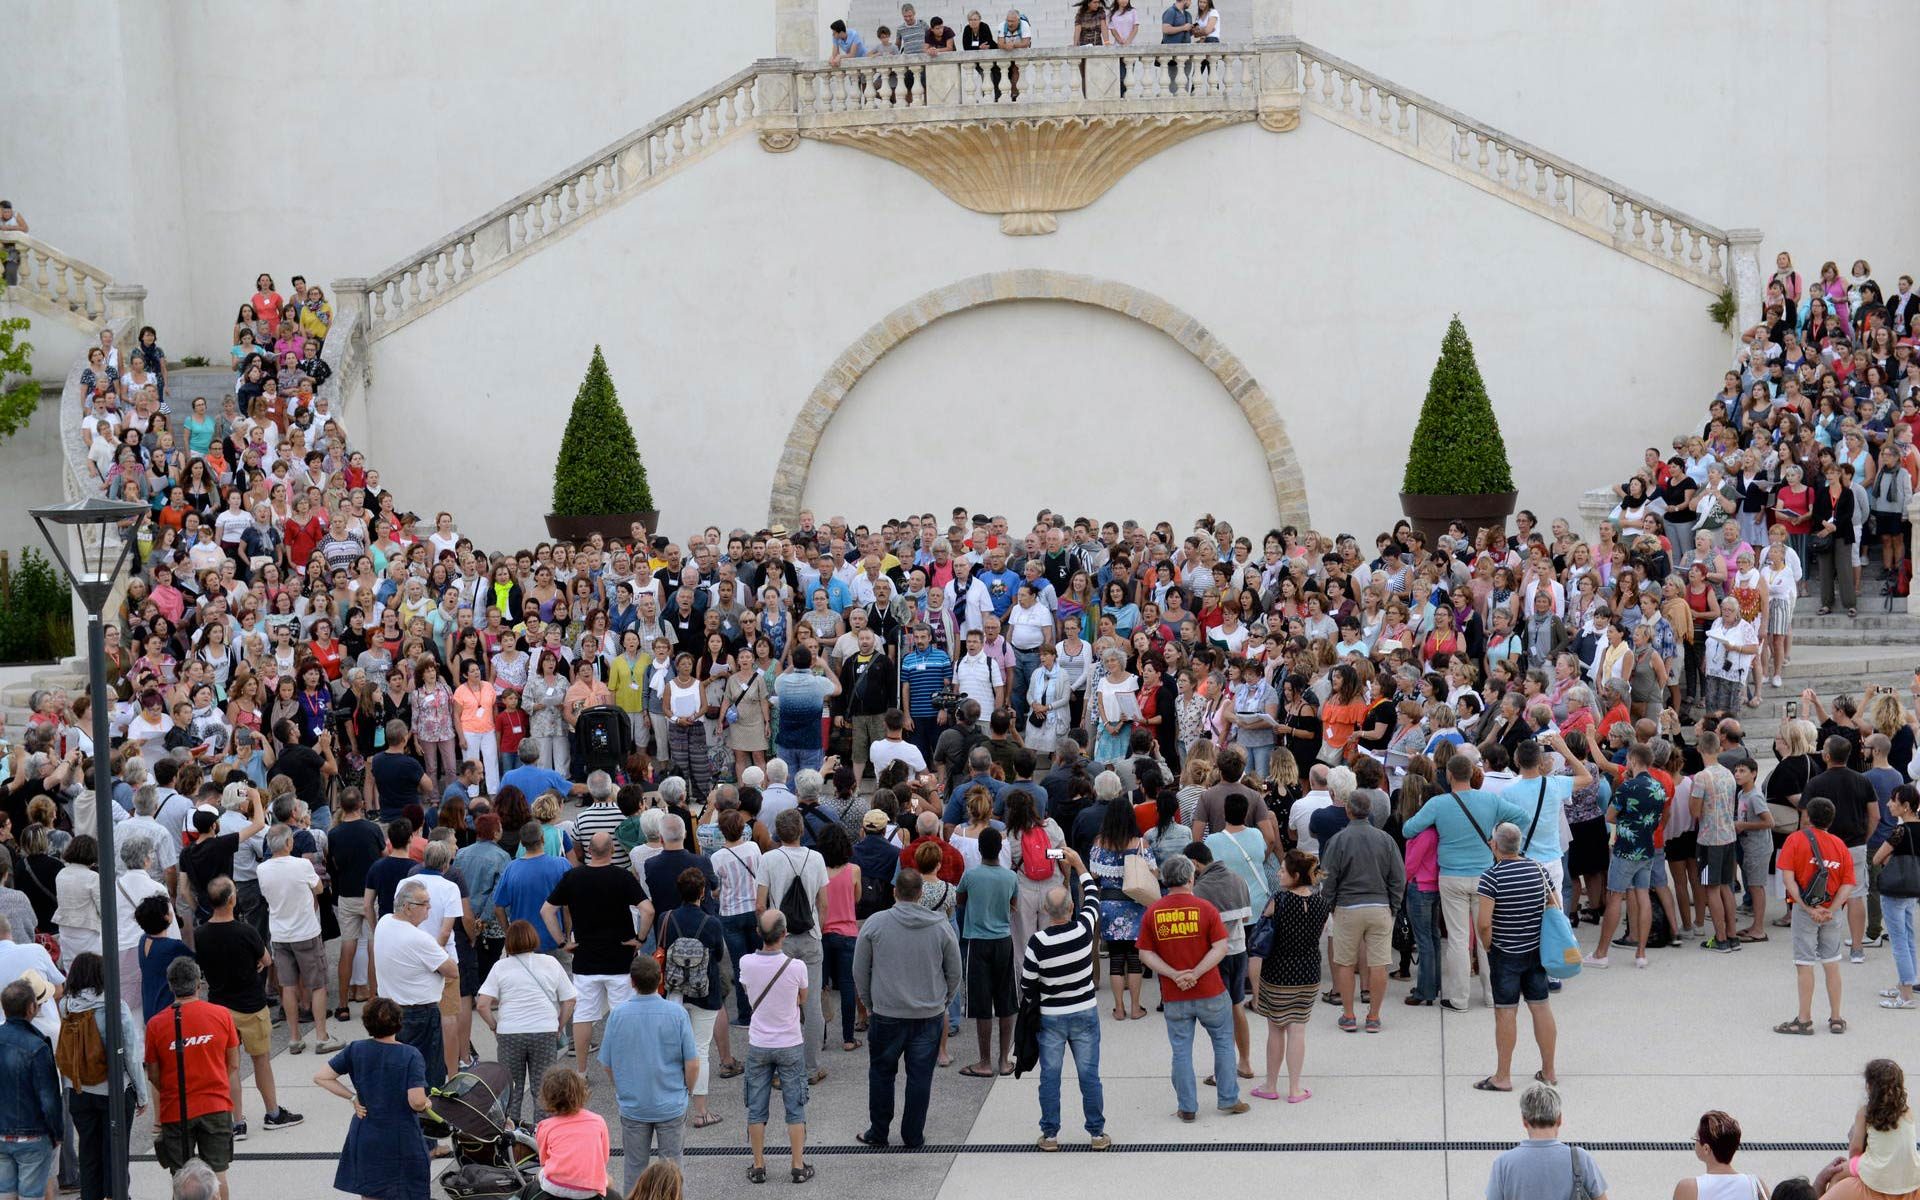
1539 803
1260 932
1137 878
1900 877
1559 949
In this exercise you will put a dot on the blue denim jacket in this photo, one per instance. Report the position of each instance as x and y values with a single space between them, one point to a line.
31 1106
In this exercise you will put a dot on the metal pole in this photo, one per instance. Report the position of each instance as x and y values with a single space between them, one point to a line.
117 1132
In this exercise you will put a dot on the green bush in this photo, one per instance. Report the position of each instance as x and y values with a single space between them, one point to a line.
599 472
36 610
19 394
1457 449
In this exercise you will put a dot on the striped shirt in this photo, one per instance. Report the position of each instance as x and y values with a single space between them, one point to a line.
912 38
1518 888
1059 958
926 672
601 818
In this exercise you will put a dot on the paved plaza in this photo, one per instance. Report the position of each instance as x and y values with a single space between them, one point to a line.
1642 1054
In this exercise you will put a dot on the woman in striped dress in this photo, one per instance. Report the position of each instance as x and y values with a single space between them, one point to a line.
1290 973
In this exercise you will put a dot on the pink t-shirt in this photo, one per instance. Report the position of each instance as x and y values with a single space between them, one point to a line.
574 1150
776 1018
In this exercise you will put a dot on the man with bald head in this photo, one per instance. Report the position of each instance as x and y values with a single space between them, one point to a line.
600 899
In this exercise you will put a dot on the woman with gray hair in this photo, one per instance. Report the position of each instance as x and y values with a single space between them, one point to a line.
1118 707
133 884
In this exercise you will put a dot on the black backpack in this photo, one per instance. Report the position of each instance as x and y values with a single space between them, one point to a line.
794 905
478 1181
876 895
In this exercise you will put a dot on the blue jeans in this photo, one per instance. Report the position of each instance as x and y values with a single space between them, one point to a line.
800 760
1896 912
1215 1015
323 818
1426 941
888 1039
1257 758
957 1007
838 952
1025 663
742 935
763 1063
420 1028
24 1166
1080 1030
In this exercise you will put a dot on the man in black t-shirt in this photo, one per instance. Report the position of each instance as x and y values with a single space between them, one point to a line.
234 959
210 855
385 874
353 845
394 775
599 898
309 769
1856 813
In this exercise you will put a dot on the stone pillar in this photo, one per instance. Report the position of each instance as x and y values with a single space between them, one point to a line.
1595 505
1272 19
1746 277
796 29
126 305
779 101
350 300
1278 108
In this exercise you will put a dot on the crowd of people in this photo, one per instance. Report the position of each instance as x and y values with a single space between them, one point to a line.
630 799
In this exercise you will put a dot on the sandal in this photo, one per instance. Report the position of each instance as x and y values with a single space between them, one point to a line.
1836 1025
1488 1085
1825 611
732 1070
1540 1076
1264 1094
756 1174
342 1014
850 1047
970 1073
1896 1002
1749 937
803 1172
1795 1026
709 1120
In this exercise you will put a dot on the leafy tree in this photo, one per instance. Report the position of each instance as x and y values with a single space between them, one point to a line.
1457 449
19 394
36 612
599 472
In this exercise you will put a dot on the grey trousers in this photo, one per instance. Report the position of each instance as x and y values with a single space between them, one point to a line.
526 1056
806 948
638 1138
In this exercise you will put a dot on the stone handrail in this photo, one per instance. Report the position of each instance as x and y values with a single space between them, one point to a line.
548 210
782 100
1572 196
58 280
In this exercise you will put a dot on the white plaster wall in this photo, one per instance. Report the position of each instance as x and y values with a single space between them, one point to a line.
1771 114
1328 264
993 407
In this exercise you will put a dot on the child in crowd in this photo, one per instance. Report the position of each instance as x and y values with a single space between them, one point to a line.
574 1143
1753 822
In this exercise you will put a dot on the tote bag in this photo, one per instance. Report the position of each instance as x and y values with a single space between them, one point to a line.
1137 878
1559 952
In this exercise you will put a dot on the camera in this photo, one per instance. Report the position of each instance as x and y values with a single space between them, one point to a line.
947 700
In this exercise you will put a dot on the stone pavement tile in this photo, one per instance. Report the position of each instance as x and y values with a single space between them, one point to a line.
1401 1175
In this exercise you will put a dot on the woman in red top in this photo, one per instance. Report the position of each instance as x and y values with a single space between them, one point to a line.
1793 509
267 303
1444 637
324 649
302 533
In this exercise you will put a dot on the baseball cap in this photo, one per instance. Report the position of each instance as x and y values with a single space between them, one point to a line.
875 820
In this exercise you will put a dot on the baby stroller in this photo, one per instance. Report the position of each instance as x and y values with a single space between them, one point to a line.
605 740
493 1159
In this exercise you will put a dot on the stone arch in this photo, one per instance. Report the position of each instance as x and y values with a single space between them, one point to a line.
796 458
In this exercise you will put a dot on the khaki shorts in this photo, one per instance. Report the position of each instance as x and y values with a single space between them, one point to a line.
256 1032
208 1137
352 914
305 962
450 998
1354 927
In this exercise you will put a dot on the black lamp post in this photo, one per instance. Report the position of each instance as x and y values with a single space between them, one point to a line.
91 522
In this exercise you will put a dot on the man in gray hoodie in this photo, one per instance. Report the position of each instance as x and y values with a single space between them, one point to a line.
906 966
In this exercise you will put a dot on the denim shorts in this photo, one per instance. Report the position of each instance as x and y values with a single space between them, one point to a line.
788 1062
24 1166
1629 875
1517 977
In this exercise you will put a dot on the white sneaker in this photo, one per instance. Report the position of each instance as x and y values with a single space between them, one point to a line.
1640 961
1776 682
1597 963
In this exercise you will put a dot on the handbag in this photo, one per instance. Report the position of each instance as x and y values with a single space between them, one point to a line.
1328 754
1137 878
1559 951
1900 877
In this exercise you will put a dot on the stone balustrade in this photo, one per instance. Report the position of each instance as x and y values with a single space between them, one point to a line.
966 103
56 280
1581 200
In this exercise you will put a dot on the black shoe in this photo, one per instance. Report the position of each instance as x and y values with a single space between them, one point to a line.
1450 1006
866 1137
286 1118
1624 940
239 1131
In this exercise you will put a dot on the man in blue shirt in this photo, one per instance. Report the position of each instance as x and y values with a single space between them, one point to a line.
527 882
802 696
1001 583
847 43
923 672
979 774
1543 795
1176 29
534 780
650 1052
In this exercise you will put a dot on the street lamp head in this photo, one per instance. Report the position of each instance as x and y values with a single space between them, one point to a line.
91 530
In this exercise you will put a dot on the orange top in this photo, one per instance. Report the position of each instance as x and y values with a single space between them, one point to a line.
1340 720
475 706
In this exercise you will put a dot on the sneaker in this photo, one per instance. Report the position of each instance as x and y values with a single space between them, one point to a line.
239 1131
1875 942
1896 1002
297 1046
1599 963
1100 1141
1858 956
1238 1106
1640 961
286 1118
1725 947
1047 1142
328 1046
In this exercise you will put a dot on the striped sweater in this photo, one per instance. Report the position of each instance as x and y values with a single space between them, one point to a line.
1059 958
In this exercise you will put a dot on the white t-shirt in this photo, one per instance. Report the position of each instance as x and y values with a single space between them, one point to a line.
16 959
528 990
406 962
1301 813
287 885
886 752
135 886
445 894
778 867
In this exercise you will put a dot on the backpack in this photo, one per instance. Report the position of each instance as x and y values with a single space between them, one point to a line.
876 895
684 968
1819 888
1034 845
795 906
82 1053
813 819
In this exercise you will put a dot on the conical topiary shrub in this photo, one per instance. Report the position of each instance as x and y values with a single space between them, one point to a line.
599 472
1457 465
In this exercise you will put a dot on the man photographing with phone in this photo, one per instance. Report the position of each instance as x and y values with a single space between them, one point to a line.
1057 966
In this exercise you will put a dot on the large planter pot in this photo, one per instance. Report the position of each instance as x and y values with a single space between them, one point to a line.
1431 514
610 527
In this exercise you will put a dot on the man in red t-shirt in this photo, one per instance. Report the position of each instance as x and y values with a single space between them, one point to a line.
192 1046
1816 935
1182 940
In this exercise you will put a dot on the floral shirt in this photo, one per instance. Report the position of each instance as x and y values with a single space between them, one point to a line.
433 714
544 702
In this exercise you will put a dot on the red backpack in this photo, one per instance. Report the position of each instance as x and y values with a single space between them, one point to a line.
1034 845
